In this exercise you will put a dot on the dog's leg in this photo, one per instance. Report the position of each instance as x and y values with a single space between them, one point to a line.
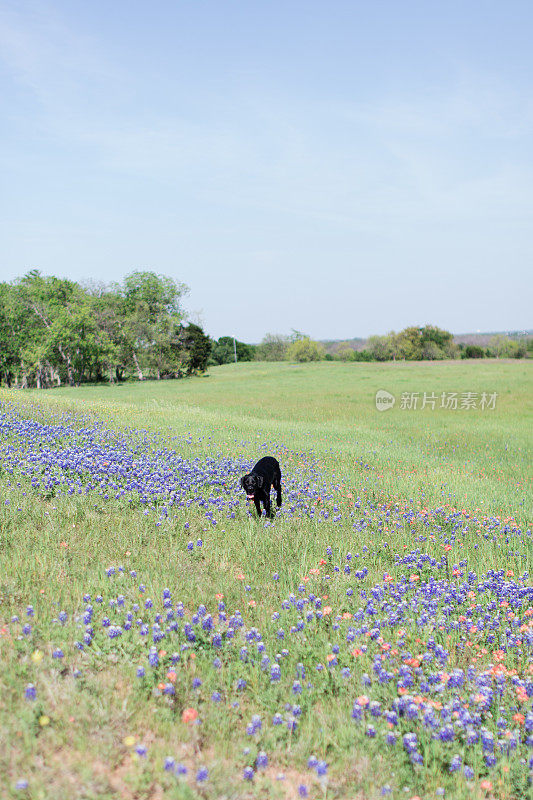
266 502
277 486
258 506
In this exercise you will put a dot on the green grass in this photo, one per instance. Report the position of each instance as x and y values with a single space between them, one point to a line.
53 550
473 458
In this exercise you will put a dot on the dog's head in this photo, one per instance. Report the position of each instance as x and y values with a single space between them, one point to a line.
250 483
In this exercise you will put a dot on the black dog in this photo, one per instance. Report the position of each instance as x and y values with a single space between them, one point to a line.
258 482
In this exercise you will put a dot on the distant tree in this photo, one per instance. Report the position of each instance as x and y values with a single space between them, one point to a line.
223 351
54 330
409 343
63 340
109 310
195 347
295 335
501 346
380 348
14 329
344 352
472 351
430 333
363 355
273 347
422 343
305 349
441 338
431 351
153 312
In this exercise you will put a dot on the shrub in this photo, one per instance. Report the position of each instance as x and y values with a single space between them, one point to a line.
223 351
272 348
345 352
305 349
472 351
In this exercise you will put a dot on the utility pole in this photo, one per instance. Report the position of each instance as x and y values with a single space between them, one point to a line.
235 349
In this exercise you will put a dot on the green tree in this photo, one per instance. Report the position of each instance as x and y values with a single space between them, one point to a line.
502 346
54 330
431 351
380 347
54 344
223 351
472 351
432 335
305 349
409 342
344 352
273 347
152 315
14 330
195 346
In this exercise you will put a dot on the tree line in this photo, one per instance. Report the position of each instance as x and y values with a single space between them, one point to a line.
426 343
55 331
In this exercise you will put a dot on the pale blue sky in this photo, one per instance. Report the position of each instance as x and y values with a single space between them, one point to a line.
343 168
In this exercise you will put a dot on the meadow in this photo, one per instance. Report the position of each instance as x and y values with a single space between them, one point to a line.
374 639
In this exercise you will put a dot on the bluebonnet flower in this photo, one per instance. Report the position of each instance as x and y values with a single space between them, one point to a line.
202 775
30 693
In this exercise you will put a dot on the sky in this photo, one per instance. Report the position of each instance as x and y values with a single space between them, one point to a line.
342 168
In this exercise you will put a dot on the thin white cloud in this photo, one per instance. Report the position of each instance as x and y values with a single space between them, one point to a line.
47 56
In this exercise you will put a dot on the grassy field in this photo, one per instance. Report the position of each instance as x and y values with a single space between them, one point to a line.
390 597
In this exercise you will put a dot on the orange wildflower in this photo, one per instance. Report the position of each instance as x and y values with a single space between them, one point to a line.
189 715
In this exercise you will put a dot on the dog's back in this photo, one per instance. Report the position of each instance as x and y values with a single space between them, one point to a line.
268 467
